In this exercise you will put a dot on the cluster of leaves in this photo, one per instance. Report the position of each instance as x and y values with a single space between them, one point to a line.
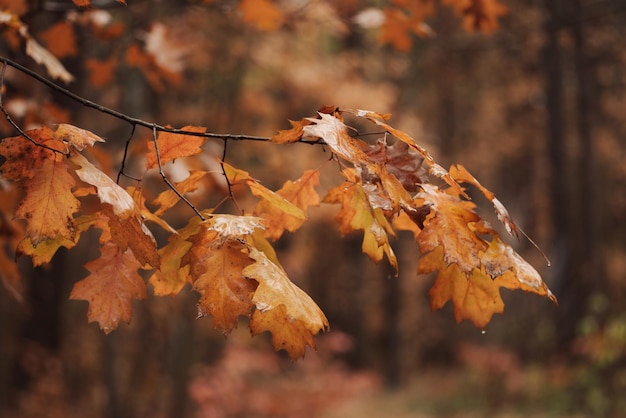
228 259
389 186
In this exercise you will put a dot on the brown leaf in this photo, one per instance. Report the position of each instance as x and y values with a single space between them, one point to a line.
111 286
225 292
282 308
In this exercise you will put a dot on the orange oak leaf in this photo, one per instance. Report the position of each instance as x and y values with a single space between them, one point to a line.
173 274
291 135
282 308
49 204
23 157
450 225
171 277
173 146
130 232
215 260
111 286
262 14
474 296
225 292
301 193
77 137
237 176
358 213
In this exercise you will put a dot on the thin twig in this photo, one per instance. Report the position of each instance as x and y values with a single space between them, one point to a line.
228 185
166 180
15 125
130 137
123 116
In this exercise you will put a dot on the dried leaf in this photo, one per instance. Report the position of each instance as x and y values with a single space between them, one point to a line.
108 191
111 286
76 137
300 193
282 308
173 146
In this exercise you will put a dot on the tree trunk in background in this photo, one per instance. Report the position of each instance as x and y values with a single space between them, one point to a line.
572 181
562 251
587 213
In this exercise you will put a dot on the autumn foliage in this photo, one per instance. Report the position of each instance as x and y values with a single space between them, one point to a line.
388 185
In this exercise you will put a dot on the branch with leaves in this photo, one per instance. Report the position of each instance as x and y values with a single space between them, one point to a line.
387 186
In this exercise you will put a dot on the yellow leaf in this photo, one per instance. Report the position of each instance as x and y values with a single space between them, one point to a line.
282 308
301 193
49 204
237 176
357 213
172 274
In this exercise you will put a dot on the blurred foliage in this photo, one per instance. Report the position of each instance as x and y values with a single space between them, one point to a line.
473 98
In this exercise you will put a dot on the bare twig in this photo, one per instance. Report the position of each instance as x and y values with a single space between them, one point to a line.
15 125
166 180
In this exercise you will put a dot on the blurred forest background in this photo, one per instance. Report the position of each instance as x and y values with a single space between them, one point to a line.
535 109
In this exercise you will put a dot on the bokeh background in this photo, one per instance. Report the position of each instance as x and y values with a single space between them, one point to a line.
535 109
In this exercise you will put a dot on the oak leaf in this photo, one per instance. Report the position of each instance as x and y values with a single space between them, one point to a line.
282 308
449 225
291 135
237 176
111 286
77 137
301 193
225 291
335 133
475 296
173 146
216 258
131 233
358 213
172 273
23 156
49 204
